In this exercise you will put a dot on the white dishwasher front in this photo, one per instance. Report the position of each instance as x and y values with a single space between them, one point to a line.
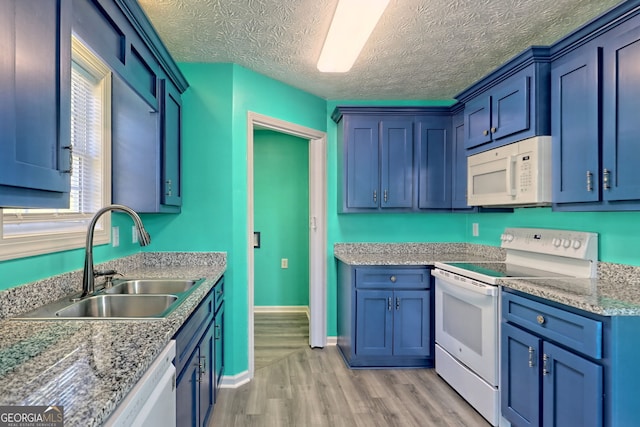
152 401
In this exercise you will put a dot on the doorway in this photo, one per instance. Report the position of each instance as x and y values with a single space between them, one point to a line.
317 226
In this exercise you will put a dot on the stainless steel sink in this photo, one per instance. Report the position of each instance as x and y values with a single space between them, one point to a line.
150 286
131 299
119 306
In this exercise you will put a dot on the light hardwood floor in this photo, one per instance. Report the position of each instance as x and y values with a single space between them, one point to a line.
313 387
276 335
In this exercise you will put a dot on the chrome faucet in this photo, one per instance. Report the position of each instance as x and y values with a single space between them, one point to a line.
88 275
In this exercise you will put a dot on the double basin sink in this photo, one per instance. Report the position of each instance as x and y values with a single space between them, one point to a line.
125 299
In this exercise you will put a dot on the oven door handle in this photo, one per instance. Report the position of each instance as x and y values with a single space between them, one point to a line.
455 281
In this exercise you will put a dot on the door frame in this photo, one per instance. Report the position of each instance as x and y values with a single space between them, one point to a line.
317 225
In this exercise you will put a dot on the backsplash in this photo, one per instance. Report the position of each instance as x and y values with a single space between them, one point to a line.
21 299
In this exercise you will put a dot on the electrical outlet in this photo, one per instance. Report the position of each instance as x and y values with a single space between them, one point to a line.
134 234
475 229
284 263
115 236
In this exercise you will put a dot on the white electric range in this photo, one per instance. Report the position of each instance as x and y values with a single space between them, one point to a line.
467 308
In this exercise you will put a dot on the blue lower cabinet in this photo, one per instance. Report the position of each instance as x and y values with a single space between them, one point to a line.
374 317
561 366
385 323
218 323
571 389
520 377
199 361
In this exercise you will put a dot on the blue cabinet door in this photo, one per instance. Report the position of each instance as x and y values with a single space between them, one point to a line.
510 107
411 323
575 128
187 391
520 377
374 320
35 111
572 389
433 142
171 141
621 126
363 182
207 373
477 121
396 163
459 164
219 349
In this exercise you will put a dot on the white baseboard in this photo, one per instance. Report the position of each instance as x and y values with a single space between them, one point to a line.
332 341
235 381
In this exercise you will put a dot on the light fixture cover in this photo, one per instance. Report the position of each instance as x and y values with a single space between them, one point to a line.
353 23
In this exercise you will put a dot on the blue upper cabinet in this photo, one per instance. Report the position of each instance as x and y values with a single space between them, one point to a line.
147 106
362 162
35 83
459 163
575 126
376 154
396 163
595 104
621 104
171 144
396 159
435 161
510 104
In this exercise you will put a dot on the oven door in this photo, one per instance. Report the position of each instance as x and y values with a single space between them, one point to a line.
467 319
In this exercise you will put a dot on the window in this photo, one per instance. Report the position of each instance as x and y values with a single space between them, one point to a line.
27 232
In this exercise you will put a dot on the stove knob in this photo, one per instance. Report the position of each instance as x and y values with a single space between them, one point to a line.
556 242
566 243
508 237
576 244
503 237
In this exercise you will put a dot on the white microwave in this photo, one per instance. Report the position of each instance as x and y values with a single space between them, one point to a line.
517 174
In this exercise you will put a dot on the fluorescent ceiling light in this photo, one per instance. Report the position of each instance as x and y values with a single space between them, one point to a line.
353 23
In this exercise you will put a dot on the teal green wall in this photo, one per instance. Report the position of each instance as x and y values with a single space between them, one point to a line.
281 215
25 270
619 232
214 212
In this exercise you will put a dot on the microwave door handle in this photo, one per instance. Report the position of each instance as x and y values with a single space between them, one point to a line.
511 165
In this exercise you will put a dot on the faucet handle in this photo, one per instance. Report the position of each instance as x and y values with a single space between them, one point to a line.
108 276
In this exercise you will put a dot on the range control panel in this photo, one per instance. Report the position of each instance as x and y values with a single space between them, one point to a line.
566 243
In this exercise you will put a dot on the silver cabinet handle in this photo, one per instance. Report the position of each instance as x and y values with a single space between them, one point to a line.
169 191
606 184
375 196
393 279
531 357
494 130
218 335
389 303
485 132
545 368
397 303
589 181
540 319
70 170
385 195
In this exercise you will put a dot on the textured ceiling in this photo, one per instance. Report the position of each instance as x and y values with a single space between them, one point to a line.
421 49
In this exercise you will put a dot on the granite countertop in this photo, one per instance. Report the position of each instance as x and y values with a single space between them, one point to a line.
89 366
616 291
414 253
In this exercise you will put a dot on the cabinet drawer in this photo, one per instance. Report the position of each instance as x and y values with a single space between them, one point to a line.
218 291
190 333
579 333
392 277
